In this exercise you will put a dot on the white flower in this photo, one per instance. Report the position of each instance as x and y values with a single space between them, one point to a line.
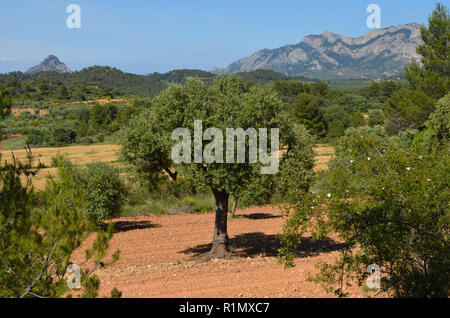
368 158
428 180
329 195
408 168
352 161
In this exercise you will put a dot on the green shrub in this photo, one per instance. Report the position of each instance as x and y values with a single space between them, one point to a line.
60 161
35 137
389 202
87 140
335 130
5 104
376 117
62 136
105 191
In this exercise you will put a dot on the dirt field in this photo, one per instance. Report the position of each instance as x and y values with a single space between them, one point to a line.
157 251
17 111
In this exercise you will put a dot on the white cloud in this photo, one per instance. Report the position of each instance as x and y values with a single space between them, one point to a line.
9 59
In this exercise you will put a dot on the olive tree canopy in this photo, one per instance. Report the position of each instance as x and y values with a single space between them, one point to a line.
152 139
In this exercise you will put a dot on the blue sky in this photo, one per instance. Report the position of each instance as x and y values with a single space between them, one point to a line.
157 36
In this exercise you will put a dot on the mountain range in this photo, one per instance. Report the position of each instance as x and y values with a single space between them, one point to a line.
50 63
381 53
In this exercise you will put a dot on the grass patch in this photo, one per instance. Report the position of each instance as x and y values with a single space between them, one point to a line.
323 154
13 143
349 84
198 203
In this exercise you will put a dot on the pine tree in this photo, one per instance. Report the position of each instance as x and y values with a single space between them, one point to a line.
307 112
433 77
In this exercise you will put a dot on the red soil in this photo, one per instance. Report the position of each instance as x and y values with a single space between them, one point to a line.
157 252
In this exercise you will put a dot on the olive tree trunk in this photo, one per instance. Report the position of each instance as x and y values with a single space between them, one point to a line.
220 248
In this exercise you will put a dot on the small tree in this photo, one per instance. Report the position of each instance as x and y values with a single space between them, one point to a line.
410 108
63 136
357 120
437 133
307 112
5 104
376 117
228 103
105 191
336 129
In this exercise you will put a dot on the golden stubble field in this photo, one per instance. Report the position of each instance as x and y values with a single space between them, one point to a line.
323 154
108 153
77 154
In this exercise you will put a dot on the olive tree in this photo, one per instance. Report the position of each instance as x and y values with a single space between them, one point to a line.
152 139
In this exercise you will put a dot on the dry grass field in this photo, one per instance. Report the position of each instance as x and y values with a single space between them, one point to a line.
18 111
108 153
77 154
323 154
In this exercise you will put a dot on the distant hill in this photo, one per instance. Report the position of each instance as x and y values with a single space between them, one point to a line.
104 77
50 64
378 54
179 76
110 78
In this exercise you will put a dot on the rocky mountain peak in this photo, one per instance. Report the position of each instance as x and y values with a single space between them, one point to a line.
49 64
377 54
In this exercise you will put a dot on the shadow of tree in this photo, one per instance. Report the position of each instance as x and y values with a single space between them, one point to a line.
261 216
125 226
254 244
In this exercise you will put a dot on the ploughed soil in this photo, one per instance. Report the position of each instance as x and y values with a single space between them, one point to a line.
159 258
